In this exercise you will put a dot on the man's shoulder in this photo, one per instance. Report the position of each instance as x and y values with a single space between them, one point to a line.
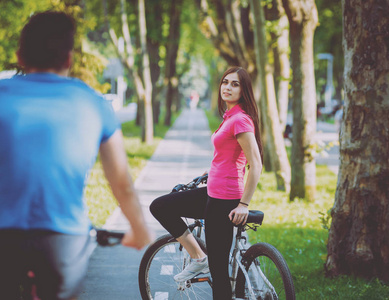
86 88
7 81
78 83
48 84
77 86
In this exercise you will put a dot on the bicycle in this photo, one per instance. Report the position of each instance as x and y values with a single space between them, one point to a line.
257 272
103 238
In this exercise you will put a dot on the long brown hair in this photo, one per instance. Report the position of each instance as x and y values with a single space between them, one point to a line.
246 101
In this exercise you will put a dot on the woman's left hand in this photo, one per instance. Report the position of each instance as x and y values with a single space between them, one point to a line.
239 215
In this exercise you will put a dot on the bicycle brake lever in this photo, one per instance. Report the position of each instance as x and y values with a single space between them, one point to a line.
178 188
196 179
201 179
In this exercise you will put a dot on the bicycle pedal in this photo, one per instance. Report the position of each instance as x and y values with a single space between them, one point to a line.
181 286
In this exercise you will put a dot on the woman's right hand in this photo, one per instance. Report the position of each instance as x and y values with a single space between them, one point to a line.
239 215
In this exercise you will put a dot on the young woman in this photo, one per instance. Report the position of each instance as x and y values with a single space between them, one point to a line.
225 200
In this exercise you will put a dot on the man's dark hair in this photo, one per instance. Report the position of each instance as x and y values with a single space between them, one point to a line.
46 40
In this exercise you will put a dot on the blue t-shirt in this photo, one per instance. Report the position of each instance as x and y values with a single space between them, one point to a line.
51 128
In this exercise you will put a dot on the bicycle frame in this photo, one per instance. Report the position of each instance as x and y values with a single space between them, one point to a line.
250 282
237 262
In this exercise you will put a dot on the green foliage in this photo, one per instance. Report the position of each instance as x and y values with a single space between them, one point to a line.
89 68
13 16
194 46
325 219
87 64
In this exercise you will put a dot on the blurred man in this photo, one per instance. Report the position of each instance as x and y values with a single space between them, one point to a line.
51 129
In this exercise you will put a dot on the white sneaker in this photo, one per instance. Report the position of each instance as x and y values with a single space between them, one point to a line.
193 269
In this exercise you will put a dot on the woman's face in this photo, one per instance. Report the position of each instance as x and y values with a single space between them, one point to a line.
230 90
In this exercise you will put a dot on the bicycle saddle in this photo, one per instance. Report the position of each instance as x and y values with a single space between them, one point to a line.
255 216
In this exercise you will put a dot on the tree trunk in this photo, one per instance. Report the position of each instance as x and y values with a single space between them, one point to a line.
275 12
257 89
280 162
154 13
143 88
282 91
171 57
303 20
149 126
359 236
139 113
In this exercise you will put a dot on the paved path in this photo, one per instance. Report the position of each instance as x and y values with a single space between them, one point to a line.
328 134
184 153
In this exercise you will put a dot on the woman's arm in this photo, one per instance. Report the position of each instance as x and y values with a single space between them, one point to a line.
250 148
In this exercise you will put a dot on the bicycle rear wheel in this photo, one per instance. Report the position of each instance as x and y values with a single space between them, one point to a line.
268 272
161 261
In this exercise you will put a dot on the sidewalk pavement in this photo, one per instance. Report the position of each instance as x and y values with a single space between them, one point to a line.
328 134
185 153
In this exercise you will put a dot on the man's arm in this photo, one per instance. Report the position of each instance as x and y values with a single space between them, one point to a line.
114 160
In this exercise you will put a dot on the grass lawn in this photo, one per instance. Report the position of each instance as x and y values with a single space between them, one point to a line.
296 230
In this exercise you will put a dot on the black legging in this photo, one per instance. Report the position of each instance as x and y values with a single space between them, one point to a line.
169 209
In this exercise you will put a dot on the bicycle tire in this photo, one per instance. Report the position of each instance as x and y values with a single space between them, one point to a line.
273 266
161 261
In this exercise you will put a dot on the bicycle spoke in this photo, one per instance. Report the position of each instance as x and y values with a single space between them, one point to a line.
268 274
167 261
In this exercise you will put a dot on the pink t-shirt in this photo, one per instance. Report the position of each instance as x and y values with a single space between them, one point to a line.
225 178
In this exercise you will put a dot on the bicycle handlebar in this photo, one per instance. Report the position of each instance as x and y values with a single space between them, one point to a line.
106 237
111 238
191 185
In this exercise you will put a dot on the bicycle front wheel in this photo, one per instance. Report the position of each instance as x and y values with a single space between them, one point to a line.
161 261
268 272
